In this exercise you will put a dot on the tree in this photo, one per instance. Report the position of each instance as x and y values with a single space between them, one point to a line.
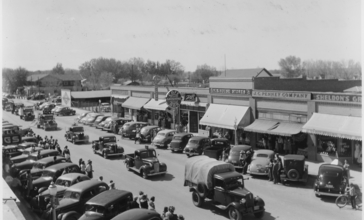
204 72
58 69
136 69
106 79
291 66
332 69
15 78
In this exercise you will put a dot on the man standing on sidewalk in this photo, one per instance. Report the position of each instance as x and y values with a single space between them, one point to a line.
351 190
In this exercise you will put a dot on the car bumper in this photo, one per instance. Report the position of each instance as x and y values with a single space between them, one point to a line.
156 173
327 194
114 154
257 173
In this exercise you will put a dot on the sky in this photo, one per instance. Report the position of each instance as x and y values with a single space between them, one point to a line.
38 34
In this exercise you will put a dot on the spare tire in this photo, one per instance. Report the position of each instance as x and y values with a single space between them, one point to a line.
293 174
202 190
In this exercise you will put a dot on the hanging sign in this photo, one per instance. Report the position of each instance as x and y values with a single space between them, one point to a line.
173 98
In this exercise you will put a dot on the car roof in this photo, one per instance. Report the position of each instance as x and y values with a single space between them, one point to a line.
85 185
227 175
108 197
72 176
25 144
219 139
109 136
49 159
167 131
10 146
140 214
331 167
59 166
241 147
294 157
264 151
77 127
197 138
150 127
136 122
143 149
43 152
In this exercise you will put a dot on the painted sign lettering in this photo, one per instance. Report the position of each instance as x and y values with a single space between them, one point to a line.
231 91
190 97
337 98
282 95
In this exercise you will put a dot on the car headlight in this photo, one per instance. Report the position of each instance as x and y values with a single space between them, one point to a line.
242 201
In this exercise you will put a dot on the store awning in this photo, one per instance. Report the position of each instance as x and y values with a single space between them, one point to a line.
334 126
160 105
119 96
286 129
262 126
197 104
135 103
226 116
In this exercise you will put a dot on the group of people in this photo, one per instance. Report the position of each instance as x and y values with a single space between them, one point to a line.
279 144
275 167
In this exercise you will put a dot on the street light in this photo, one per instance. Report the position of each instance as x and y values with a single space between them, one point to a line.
53 192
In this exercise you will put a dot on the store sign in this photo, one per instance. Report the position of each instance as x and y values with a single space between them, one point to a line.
282 95
337 98
190 97
231 91
66 97
173 98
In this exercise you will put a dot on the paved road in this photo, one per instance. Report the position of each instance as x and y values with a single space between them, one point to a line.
282 202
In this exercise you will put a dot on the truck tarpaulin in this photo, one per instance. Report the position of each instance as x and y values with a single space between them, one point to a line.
201 169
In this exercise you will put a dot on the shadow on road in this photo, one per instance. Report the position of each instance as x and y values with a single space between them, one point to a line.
328 199
166 177
309 185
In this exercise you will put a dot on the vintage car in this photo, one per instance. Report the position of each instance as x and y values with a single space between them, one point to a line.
138 214
163 138
76 196
331 180
27 152
260 161
145 163
90 118
17 107
179 142
196 145
29 139
217 181
47 107
295 169
36 167
82 116
56 108
63 182
234 155
98 120
63 111
27 114
51 174
10 96
9 106
115 124
107 146
46 122
76 134
104 206
12 150
218 145
105 107
129 128
147 132
100 125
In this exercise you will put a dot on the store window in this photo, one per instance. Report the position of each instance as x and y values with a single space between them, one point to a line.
345 148
200 126
327 146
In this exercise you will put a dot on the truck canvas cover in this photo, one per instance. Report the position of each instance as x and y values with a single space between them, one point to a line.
201 169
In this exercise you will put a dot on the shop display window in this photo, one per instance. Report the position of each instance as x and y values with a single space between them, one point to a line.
345 148
200 115
327 146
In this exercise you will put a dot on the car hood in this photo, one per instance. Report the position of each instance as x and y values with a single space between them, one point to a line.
42 179
240 192
20 157
59 189
36 170
91 216
191 146
151 159
67 202
24 164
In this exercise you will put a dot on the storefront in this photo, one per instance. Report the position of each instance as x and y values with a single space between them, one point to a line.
133 109
117 101
191 111
161 114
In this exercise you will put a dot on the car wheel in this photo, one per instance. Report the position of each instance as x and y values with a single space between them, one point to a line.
144 174
234 214
293 174
196 199
188 156
138 141
127 166
172 151
317 195
259 214
104 155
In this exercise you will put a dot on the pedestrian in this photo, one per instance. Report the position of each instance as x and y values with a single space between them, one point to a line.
121 131
144 201
170 214
29 179
352 193
151 203
137 134
275 171
280 167
46 145
111 184
101 179
54 159
164 213
346 167
134 204
89 169
38 155
264 142
80 162
141 193
59 150
67 153
270 170
83 167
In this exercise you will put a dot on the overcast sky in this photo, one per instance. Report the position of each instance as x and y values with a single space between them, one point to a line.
38 34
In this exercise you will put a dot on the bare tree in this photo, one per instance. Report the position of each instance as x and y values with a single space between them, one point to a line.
291 66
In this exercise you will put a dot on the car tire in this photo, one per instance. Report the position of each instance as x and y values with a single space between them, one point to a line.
293 174
138 141
202 190
144 174
196 199
127 165
317 195
234 214
104 155
259 214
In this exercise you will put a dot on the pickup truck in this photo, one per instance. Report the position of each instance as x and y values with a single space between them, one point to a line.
46 122
218 182
218 145
145 162
107 146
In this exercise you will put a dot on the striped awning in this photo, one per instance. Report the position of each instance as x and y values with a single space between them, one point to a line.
160 105
286 129
334 126
135 103
261 126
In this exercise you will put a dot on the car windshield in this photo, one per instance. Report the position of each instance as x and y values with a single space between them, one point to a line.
108 119
146 154
71 195
331 173
261 155
62 182
77 129
27 110
38 165
99 118
47 173
235 153
144 130
109 139
194 141
125 126
219 143
95 208
161 134
233 184
177 138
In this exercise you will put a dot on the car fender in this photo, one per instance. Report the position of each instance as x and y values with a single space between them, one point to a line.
69 215
163 165
259 201
236 205
145 168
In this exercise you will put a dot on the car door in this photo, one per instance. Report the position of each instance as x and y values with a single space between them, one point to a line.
138 160
219 191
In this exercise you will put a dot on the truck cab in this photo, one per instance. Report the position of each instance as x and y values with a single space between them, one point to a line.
47 122
107 146
27 114
76 134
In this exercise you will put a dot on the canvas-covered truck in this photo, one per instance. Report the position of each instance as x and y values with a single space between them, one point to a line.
218 182
145 162
46 122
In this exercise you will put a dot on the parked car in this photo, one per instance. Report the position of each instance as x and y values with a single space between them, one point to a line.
51 174
179 141
260 161
196 145
82 116
129 128
12 150
10 96
104 206
107 146
63 111
331 180
29 139
76 134
218 145
138 214
27 153
218 182
145 163
105 107
147 132
76 196
115 124
108 119
17 106
47 109
28 114
163 138
234 155
295 169
90 119
99 120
